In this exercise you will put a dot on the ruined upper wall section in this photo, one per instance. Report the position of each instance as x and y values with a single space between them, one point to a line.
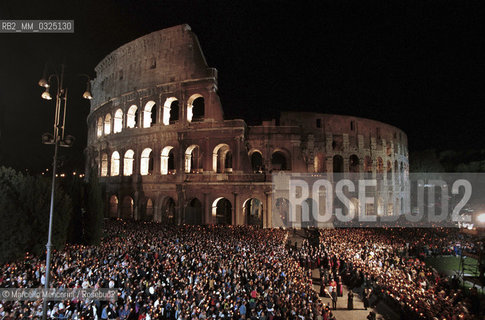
167 56
312 122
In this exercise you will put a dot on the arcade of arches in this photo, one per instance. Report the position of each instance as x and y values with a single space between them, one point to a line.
168 211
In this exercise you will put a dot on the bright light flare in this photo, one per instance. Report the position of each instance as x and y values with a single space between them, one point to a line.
481 218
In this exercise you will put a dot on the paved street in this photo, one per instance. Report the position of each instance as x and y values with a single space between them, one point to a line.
342 313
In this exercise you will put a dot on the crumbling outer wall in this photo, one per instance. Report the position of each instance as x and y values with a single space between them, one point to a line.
170 64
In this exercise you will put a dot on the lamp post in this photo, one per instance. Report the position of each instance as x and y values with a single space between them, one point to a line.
57 138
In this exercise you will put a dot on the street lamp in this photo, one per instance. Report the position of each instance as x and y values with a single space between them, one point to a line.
57 138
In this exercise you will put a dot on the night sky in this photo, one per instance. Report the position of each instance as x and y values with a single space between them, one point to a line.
418 65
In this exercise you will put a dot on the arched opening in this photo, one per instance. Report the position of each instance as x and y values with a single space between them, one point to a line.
389 170
195 108
338 164
193 159
390 205
115 164
127 208
369 209
338 143
170 111
104 165
228 162
367 164
113 206
174 111
146 163
168 214
380 165
167 161
257 162
149 210
353 163
390 208
118 121
219 163
128 162
107 124
193 212
307 219
279 161
282 212
132 117
99 131
222 210
253 211
149 114
380 207
354 207
320 163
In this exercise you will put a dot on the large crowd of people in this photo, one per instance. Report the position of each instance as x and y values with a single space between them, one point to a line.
241 272
385 264
187 272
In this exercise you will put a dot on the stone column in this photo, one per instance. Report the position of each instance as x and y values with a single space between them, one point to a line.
329 164
207 214
156 154
267 212
136 162
120 202
122 163
237 164
160 110
235 210
207 165
108 152
139 111
346 164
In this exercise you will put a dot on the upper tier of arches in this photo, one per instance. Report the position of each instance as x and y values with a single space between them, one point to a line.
149 114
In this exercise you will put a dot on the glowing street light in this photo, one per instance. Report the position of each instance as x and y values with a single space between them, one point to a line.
480 218
57 138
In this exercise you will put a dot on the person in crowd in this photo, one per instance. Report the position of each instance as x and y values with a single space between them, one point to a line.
240 272
350 300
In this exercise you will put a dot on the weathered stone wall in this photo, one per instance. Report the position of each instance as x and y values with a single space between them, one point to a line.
167 164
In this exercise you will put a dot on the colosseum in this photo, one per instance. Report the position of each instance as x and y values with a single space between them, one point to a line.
161 146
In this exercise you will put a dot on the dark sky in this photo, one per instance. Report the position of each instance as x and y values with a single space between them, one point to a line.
418 65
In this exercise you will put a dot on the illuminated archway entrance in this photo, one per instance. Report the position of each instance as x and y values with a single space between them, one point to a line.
253 211
127 208
222 210
113 206
168 215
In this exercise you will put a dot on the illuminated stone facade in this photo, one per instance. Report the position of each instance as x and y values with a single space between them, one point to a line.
160 144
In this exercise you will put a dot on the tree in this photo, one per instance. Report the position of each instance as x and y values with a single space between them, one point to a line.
35 198
77 188
94 213
14 230
425 161
24 212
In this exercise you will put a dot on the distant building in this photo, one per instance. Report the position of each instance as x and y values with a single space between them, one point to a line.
158 140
